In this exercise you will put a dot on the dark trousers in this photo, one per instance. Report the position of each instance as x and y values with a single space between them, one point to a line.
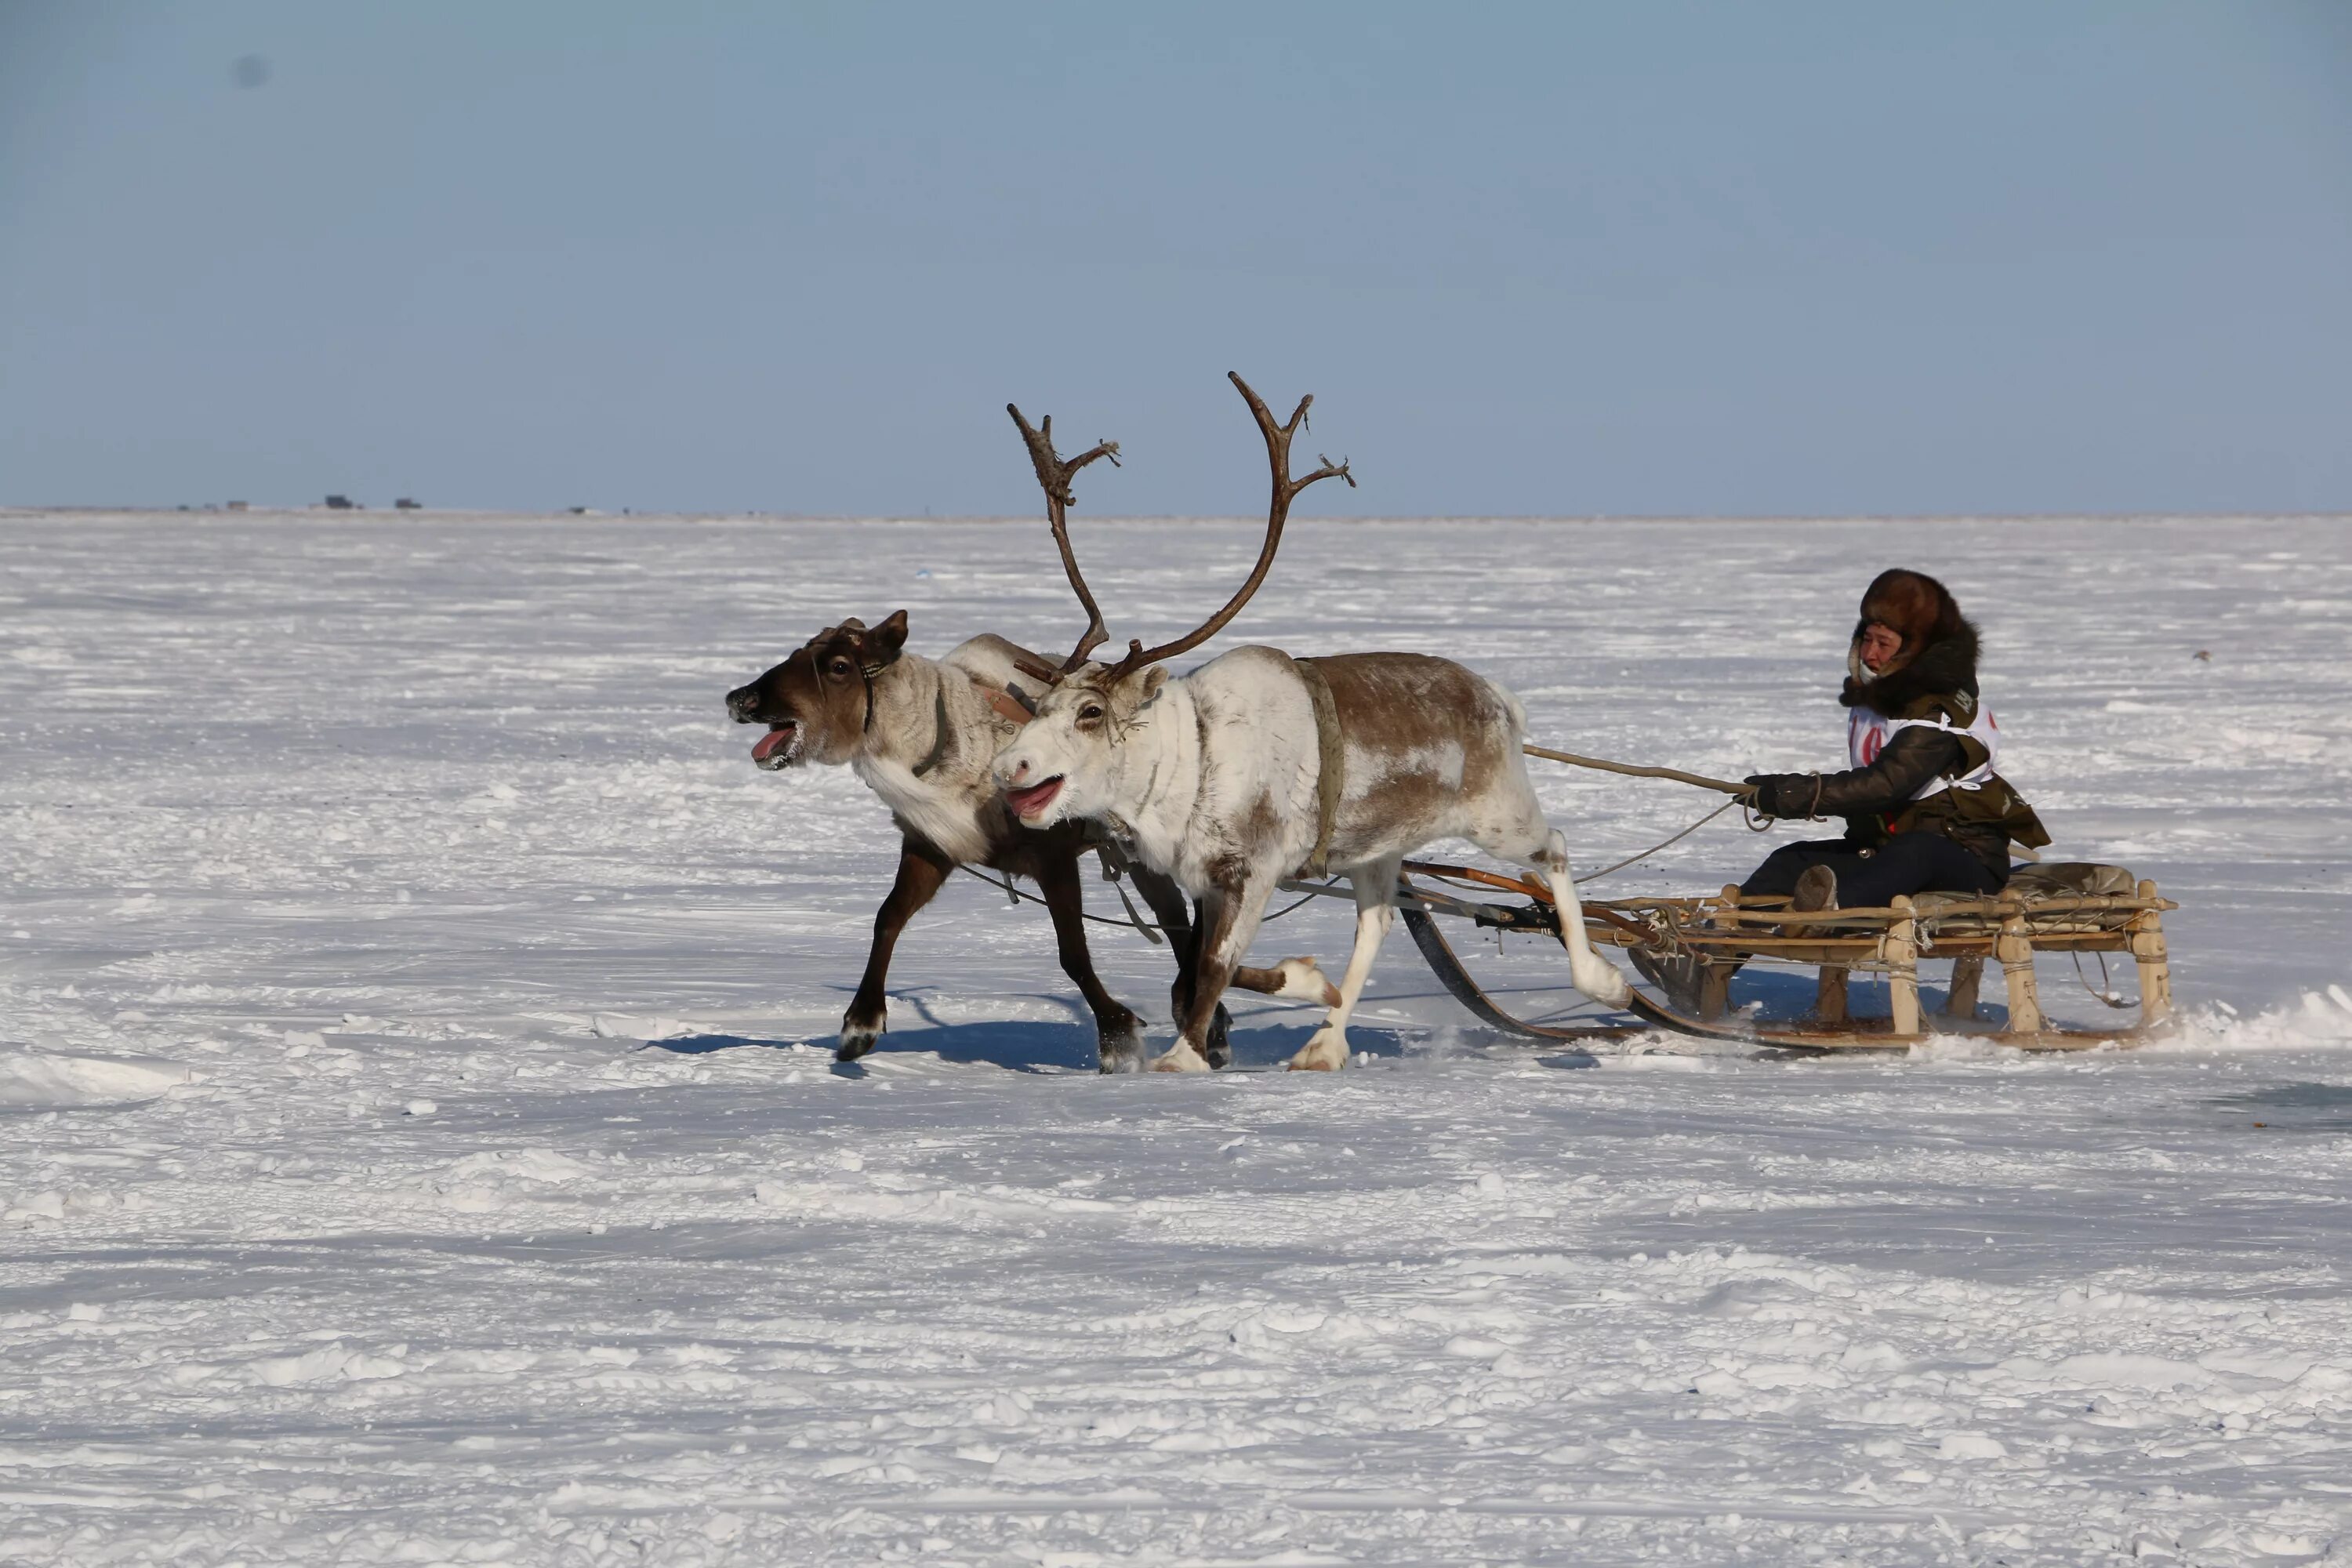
1870 878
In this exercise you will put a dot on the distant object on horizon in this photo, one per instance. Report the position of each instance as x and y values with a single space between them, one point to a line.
408 503
235 505
343 503
577 511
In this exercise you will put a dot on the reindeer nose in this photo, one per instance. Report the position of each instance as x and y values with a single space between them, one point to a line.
741 701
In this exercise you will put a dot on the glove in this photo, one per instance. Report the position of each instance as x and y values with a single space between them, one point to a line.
1784 794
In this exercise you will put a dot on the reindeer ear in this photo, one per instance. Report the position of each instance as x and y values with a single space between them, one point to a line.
1154 678
879 648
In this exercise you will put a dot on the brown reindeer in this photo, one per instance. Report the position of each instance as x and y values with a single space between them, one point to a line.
1224 779
922 734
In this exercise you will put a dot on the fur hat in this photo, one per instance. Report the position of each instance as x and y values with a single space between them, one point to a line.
1914 606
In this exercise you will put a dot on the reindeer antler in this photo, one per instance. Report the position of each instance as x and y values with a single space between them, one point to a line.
1053 475
1286 489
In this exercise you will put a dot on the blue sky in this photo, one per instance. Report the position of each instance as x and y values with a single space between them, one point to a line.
1558 259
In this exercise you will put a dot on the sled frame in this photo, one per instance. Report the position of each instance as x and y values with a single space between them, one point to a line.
1728 928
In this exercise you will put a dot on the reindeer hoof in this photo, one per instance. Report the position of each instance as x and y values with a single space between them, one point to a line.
1118 1047
856 1039
1182 1058
1327 1052
1608 987
1303 981
1220 1050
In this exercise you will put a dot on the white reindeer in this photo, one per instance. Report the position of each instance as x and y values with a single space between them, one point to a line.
1217 778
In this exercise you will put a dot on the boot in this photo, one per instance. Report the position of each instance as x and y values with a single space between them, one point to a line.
1816 891
1676 973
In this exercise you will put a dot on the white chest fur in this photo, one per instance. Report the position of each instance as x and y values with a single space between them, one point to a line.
1222 767
927 717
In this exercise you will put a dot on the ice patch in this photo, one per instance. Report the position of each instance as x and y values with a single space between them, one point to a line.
621 1027
335 1363
46 1080
521 1164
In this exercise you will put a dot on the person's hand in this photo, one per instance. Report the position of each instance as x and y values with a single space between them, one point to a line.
1783 794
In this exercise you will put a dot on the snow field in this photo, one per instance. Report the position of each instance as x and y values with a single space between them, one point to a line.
423 1142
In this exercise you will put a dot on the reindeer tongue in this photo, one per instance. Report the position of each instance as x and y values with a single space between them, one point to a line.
774 741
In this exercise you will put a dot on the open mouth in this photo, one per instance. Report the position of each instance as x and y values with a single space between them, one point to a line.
1028 803
779 748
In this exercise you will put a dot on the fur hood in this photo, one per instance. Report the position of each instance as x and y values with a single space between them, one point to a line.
1939 655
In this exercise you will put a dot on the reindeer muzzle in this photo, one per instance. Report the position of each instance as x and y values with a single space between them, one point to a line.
779 748
1032 800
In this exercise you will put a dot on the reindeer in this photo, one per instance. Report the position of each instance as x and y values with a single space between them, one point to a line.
922 734
1254 764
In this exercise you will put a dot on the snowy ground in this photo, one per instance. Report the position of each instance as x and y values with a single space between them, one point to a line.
350 864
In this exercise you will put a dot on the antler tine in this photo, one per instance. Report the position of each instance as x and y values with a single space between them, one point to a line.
1054 477
1285 490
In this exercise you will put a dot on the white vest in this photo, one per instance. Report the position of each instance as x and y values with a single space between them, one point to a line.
1868 730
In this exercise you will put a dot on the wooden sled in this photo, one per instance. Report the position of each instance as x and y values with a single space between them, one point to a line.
2036 913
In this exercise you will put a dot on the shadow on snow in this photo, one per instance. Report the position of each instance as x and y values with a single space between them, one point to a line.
1040 1046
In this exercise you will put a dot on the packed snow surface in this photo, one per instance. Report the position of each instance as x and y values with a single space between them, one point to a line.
420 1140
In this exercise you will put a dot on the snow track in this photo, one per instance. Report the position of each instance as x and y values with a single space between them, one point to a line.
421 1141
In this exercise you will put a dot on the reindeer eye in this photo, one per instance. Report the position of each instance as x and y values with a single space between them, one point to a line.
838 666
1090 712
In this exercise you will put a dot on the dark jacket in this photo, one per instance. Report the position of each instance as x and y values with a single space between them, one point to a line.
1938 682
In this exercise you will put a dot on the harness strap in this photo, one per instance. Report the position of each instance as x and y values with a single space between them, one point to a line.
1114 861
867 672
943 733
1007 704
1331 750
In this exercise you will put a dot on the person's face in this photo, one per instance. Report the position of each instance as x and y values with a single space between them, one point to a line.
1879 646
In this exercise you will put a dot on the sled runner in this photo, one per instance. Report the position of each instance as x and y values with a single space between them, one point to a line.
2070 909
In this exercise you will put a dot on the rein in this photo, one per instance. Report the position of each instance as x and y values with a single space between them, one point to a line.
1724 785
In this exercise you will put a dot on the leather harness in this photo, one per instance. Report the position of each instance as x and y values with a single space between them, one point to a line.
1332 752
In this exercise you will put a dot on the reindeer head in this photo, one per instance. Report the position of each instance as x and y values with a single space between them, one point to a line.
818 705
1064 762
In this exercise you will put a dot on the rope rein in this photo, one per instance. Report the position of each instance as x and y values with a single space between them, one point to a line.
2107 991
1663 843
1155 934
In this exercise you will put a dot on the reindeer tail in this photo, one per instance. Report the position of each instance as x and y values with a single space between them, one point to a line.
1512 706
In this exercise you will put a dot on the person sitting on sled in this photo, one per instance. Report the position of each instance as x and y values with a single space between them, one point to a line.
1924 809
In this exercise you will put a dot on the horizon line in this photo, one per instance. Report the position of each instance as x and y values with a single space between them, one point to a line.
598 514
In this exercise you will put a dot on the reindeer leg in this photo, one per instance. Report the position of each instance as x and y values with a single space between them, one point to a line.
1593 974
1119 1033
1177 920
1229 918
921 870
1296 979
1375 889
